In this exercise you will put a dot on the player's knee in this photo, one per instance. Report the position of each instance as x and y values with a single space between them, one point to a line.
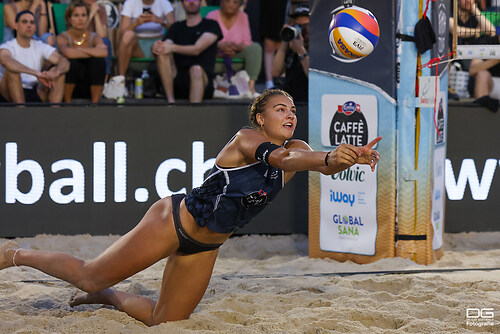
156 320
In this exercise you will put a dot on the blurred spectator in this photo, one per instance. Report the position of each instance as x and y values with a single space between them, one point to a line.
180 14
21 76
488 4
237 41
38 8
472 26
143 22
85 51
272 18
485 82
292 57
475 28
98 23
186 58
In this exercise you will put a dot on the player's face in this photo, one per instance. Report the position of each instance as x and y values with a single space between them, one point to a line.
191 6
78 18
279 118
26 26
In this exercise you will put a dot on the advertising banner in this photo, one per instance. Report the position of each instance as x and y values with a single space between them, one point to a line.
352 213
348 199
438 193
74 170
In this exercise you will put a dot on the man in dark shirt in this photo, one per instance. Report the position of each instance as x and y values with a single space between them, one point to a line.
292 57
186 58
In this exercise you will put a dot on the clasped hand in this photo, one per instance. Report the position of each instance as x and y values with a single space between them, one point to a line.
162 47
47 78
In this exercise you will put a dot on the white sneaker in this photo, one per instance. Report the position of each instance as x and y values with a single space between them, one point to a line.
269 84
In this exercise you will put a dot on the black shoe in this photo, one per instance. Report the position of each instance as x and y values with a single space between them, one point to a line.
488 102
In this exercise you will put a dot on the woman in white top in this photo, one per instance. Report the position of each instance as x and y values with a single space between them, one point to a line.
143 23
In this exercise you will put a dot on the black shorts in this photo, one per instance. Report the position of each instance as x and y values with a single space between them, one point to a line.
187 245
86 71
182 86
31 95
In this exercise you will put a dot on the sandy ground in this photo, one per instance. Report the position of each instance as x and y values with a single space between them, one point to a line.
267 284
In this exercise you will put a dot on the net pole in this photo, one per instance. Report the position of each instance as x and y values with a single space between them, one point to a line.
455 25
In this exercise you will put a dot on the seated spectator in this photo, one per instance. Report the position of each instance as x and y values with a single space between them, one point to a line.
186 58
484 82
21 59
38 8
98 23
237 40
85 51
180 14
292 58
143 22
472 26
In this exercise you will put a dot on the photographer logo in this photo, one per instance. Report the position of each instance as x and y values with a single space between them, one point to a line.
480 317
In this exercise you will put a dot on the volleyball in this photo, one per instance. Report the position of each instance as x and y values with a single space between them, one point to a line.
353 33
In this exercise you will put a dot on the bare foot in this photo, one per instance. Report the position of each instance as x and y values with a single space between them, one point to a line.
5 258
100 297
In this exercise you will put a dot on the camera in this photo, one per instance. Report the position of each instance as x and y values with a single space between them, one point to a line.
290 33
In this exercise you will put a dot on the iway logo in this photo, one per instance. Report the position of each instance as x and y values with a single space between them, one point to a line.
479 188
339 197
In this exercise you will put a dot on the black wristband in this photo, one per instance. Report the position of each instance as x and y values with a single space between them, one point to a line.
303 56
326 159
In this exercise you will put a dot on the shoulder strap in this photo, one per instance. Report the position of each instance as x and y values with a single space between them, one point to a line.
65 33
92 36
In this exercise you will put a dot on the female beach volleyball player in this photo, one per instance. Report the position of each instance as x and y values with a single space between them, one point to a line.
248 173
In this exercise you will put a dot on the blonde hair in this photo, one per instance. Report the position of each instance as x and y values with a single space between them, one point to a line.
259 104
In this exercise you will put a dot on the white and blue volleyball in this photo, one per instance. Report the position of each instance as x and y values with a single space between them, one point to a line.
353 33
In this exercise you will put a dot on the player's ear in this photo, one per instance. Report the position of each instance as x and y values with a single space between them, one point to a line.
260 119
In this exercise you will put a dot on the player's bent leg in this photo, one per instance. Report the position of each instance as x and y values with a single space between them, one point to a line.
151 240
185 280
138 307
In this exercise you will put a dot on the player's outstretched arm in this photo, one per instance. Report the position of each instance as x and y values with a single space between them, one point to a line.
298 156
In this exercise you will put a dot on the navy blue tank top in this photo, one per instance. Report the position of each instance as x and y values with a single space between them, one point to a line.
230 197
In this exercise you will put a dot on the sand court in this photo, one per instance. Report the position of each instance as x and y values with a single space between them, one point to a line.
268 284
